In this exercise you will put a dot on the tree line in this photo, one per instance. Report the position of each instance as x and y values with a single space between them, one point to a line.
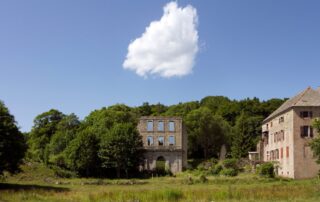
107 144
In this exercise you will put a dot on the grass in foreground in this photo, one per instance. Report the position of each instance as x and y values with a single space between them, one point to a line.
35 185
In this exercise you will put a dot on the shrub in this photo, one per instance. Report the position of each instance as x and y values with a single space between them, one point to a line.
230 163
229 172
266 170
216 169
59 172
203 179
188 180
200 167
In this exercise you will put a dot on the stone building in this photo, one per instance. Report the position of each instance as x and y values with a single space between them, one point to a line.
165 140
286 134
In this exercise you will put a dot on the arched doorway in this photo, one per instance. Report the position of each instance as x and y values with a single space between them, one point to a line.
161 165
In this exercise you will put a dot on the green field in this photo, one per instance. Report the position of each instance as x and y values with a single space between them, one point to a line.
37 183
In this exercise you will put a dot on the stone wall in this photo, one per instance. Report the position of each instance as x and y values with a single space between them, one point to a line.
305 165
174 155
299 163
285 161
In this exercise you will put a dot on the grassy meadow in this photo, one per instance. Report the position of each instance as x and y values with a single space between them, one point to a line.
37 183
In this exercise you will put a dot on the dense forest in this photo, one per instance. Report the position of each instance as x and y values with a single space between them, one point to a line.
107 144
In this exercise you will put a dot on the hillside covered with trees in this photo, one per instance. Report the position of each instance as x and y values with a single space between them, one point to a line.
107 144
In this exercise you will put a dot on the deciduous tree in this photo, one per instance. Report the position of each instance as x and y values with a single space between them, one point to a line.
12 142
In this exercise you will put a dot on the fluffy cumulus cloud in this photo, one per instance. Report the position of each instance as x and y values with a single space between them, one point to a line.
168 47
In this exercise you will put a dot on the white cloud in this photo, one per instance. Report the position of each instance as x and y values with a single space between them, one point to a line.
167 47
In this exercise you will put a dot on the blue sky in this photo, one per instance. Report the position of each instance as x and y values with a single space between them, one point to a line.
68 55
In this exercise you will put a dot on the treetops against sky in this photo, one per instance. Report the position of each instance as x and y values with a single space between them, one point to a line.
77 56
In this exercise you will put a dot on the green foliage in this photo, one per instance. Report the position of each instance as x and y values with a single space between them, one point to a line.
246 136
203 179
82 154
65 133
266 170
182 109
231 172
92 148
207 132
216 169
63 173
120 148
230 163
45 125
315 144
12 142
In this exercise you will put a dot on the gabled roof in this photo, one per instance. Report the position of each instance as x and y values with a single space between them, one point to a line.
308 97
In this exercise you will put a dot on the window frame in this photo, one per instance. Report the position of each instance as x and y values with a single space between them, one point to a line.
171 137
162 124
148 128
169 126
161 137
151 142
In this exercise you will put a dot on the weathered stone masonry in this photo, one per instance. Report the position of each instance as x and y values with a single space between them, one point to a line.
164 138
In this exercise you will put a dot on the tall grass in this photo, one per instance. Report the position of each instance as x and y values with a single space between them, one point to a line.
245 187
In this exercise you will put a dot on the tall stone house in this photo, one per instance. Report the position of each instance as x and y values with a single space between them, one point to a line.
164 139
286 134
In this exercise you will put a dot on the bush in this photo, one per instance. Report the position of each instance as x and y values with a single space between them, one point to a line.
266 170
59 172
189 180
203 179
201 167
230 163
229 172
216 169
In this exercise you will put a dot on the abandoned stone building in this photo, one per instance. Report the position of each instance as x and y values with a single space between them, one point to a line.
164 139
286 134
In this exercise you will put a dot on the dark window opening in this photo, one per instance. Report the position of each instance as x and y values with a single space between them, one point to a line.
150 140
161 141
306 114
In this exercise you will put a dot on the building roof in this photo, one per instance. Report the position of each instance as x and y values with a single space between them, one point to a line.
308 97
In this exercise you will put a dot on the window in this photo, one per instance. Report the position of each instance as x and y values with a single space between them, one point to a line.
150 126
277 153
160 141
171 126
160 126
270 124
171 140
281 153
281 119
306 131
306 114
268 158
149 140
287 152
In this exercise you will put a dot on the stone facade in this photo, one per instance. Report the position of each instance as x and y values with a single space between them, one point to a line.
164 138
286 134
